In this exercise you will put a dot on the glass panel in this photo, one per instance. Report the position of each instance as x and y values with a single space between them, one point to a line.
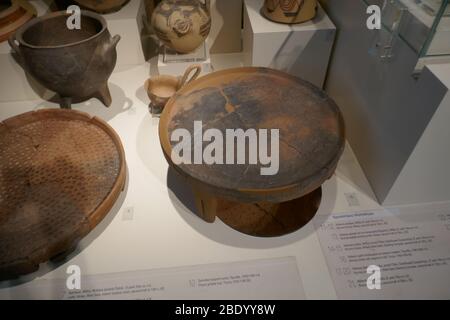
431 7
438 43
423 24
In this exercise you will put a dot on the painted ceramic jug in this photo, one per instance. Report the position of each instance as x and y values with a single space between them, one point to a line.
289 11
182 25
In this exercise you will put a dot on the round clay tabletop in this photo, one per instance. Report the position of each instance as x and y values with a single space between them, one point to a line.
61 171
311 132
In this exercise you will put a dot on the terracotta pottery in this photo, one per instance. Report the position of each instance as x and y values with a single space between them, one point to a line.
102 6
182 25
311 142
76 64
161 88
13 14
61 173
289 11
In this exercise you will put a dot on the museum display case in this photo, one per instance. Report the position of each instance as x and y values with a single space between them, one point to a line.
437 42
423 24
249 149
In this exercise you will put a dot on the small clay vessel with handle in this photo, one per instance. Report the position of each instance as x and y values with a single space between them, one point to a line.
161 88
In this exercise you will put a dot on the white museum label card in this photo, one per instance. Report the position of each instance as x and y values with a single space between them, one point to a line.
399 253
260 279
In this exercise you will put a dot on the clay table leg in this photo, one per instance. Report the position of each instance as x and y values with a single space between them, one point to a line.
206 205
266 219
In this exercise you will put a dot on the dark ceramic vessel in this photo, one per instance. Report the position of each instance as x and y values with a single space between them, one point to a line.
76 64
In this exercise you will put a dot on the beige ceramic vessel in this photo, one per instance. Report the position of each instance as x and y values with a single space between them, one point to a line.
161 88
182 25
289 11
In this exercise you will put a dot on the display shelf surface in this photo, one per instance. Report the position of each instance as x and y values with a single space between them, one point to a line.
152 224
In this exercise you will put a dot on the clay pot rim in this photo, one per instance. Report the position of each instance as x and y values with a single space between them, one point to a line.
162 78
167 146
56 14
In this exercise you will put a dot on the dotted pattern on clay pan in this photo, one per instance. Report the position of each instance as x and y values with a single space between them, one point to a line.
54 175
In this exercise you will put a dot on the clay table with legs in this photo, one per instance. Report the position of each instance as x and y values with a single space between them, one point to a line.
311 141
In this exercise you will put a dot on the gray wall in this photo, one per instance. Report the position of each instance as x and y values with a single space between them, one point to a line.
386 110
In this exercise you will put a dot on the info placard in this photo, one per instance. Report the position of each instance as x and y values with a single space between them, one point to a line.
255 280
407 249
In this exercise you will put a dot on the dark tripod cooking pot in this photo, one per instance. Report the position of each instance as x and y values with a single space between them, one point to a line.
76 63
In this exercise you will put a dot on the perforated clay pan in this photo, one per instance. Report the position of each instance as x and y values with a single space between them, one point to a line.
61 171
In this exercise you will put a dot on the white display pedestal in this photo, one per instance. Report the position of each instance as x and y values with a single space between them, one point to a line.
396 122
302 50
128 23
225 35
175 64
425 177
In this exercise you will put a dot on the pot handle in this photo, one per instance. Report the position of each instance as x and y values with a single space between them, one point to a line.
115 40
14 46
110 45
184 81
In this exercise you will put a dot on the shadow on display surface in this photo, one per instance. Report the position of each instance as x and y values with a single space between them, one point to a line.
182 198
121 103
